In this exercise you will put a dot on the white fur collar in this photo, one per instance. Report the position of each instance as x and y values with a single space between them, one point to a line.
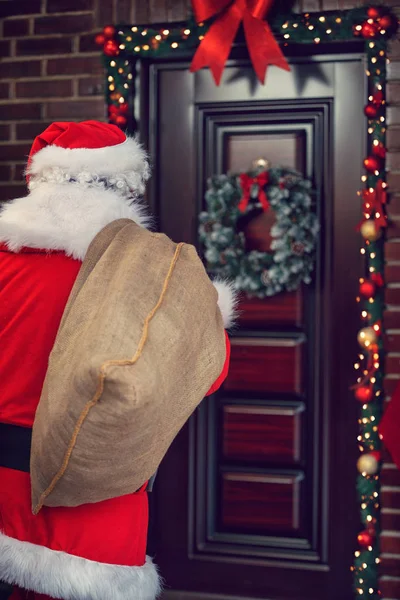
67 217
64 217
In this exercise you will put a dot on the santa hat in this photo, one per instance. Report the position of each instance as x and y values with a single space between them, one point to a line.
91 149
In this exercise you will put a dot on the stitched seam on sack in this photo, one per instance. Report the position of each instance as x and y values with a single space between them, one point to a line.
100 386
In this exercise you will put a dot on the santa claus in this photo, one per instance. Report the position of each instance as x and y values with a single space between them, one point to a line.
81 177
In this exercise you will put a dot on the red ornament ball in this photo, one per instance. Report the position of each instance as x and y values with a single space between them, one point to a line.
365 539
100 39
369 30
373 12
367 289
377 98
124 108
387 22
363 394
111 48
371 164
376 454
109 31
371 111
379 150
120 120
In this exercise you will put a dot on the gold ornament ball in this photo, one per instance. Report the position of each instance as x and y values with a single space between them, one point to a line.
261 163
370 231
367 337
367 464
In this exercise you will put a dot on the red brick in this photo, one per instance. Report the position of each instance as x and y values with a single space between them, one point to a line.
390 565
15 27
5 47
56 6
391 319
393 180
87 43
392 295
76 108
392 251
44 89
391 521
393 138
393 115
91 86
390 476
4 90
390 544
392 364
394 205
11 8
393 161
15 69
393 92
5 172
393 70
19 173
393 231
64 24
11 111
5 131
394 49
390 385
390 587
9 192
392 273
390 498
14 152
78 65
28 131
49 45
392 342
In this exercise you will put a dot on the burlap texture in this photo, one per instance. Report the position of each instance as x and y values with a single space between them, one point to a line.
141 342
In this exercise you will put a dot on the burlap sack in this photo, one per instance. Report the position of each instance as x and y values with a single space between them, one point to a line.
140 343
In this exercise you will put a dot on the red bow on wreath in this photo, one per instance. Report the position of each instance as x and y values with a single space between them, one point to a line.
374 202
215 47
246 183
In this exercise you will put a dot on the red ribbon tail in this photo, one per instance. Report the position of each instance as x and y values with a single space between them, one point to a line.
263 48
215 48
262 196
243 204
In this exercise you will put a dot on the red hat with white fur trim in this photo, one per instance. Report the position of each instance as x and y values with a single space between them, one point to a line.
92 147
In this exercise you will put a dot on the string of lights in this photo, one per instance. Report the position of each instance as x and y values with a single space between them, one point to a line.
375 25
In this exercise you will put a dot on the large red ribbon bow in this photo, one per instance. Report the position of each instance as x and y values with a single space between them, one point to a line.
246 183
374 201
215 47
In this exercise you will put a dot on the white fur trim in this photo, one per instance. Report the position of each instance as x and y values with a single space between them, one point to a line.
62 575
128 157
227 301
64 217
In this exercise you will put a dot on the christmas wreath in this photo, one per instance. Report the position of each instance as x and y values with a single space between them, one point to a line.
233 200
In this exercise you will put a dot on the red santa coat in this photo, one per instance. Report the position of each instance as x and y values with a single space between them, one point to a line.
88 552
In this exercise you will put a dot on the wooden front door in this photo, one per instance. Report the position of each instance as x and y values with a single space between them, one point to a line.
256 497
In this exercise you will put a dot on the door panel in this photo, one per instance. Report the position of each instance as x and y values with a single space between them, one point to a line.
256 495
266 365
262 434
280 149
285 310
261 503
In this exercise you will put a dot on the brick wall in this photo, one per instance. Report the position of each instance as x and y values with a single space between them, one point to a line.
50 69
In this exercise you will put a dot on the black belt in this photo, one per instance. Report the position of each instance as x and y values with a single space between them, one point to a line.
15 447
15 450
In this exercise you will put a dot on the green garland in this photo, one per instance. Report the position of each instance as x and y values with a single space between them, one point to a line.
126 43
260 274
